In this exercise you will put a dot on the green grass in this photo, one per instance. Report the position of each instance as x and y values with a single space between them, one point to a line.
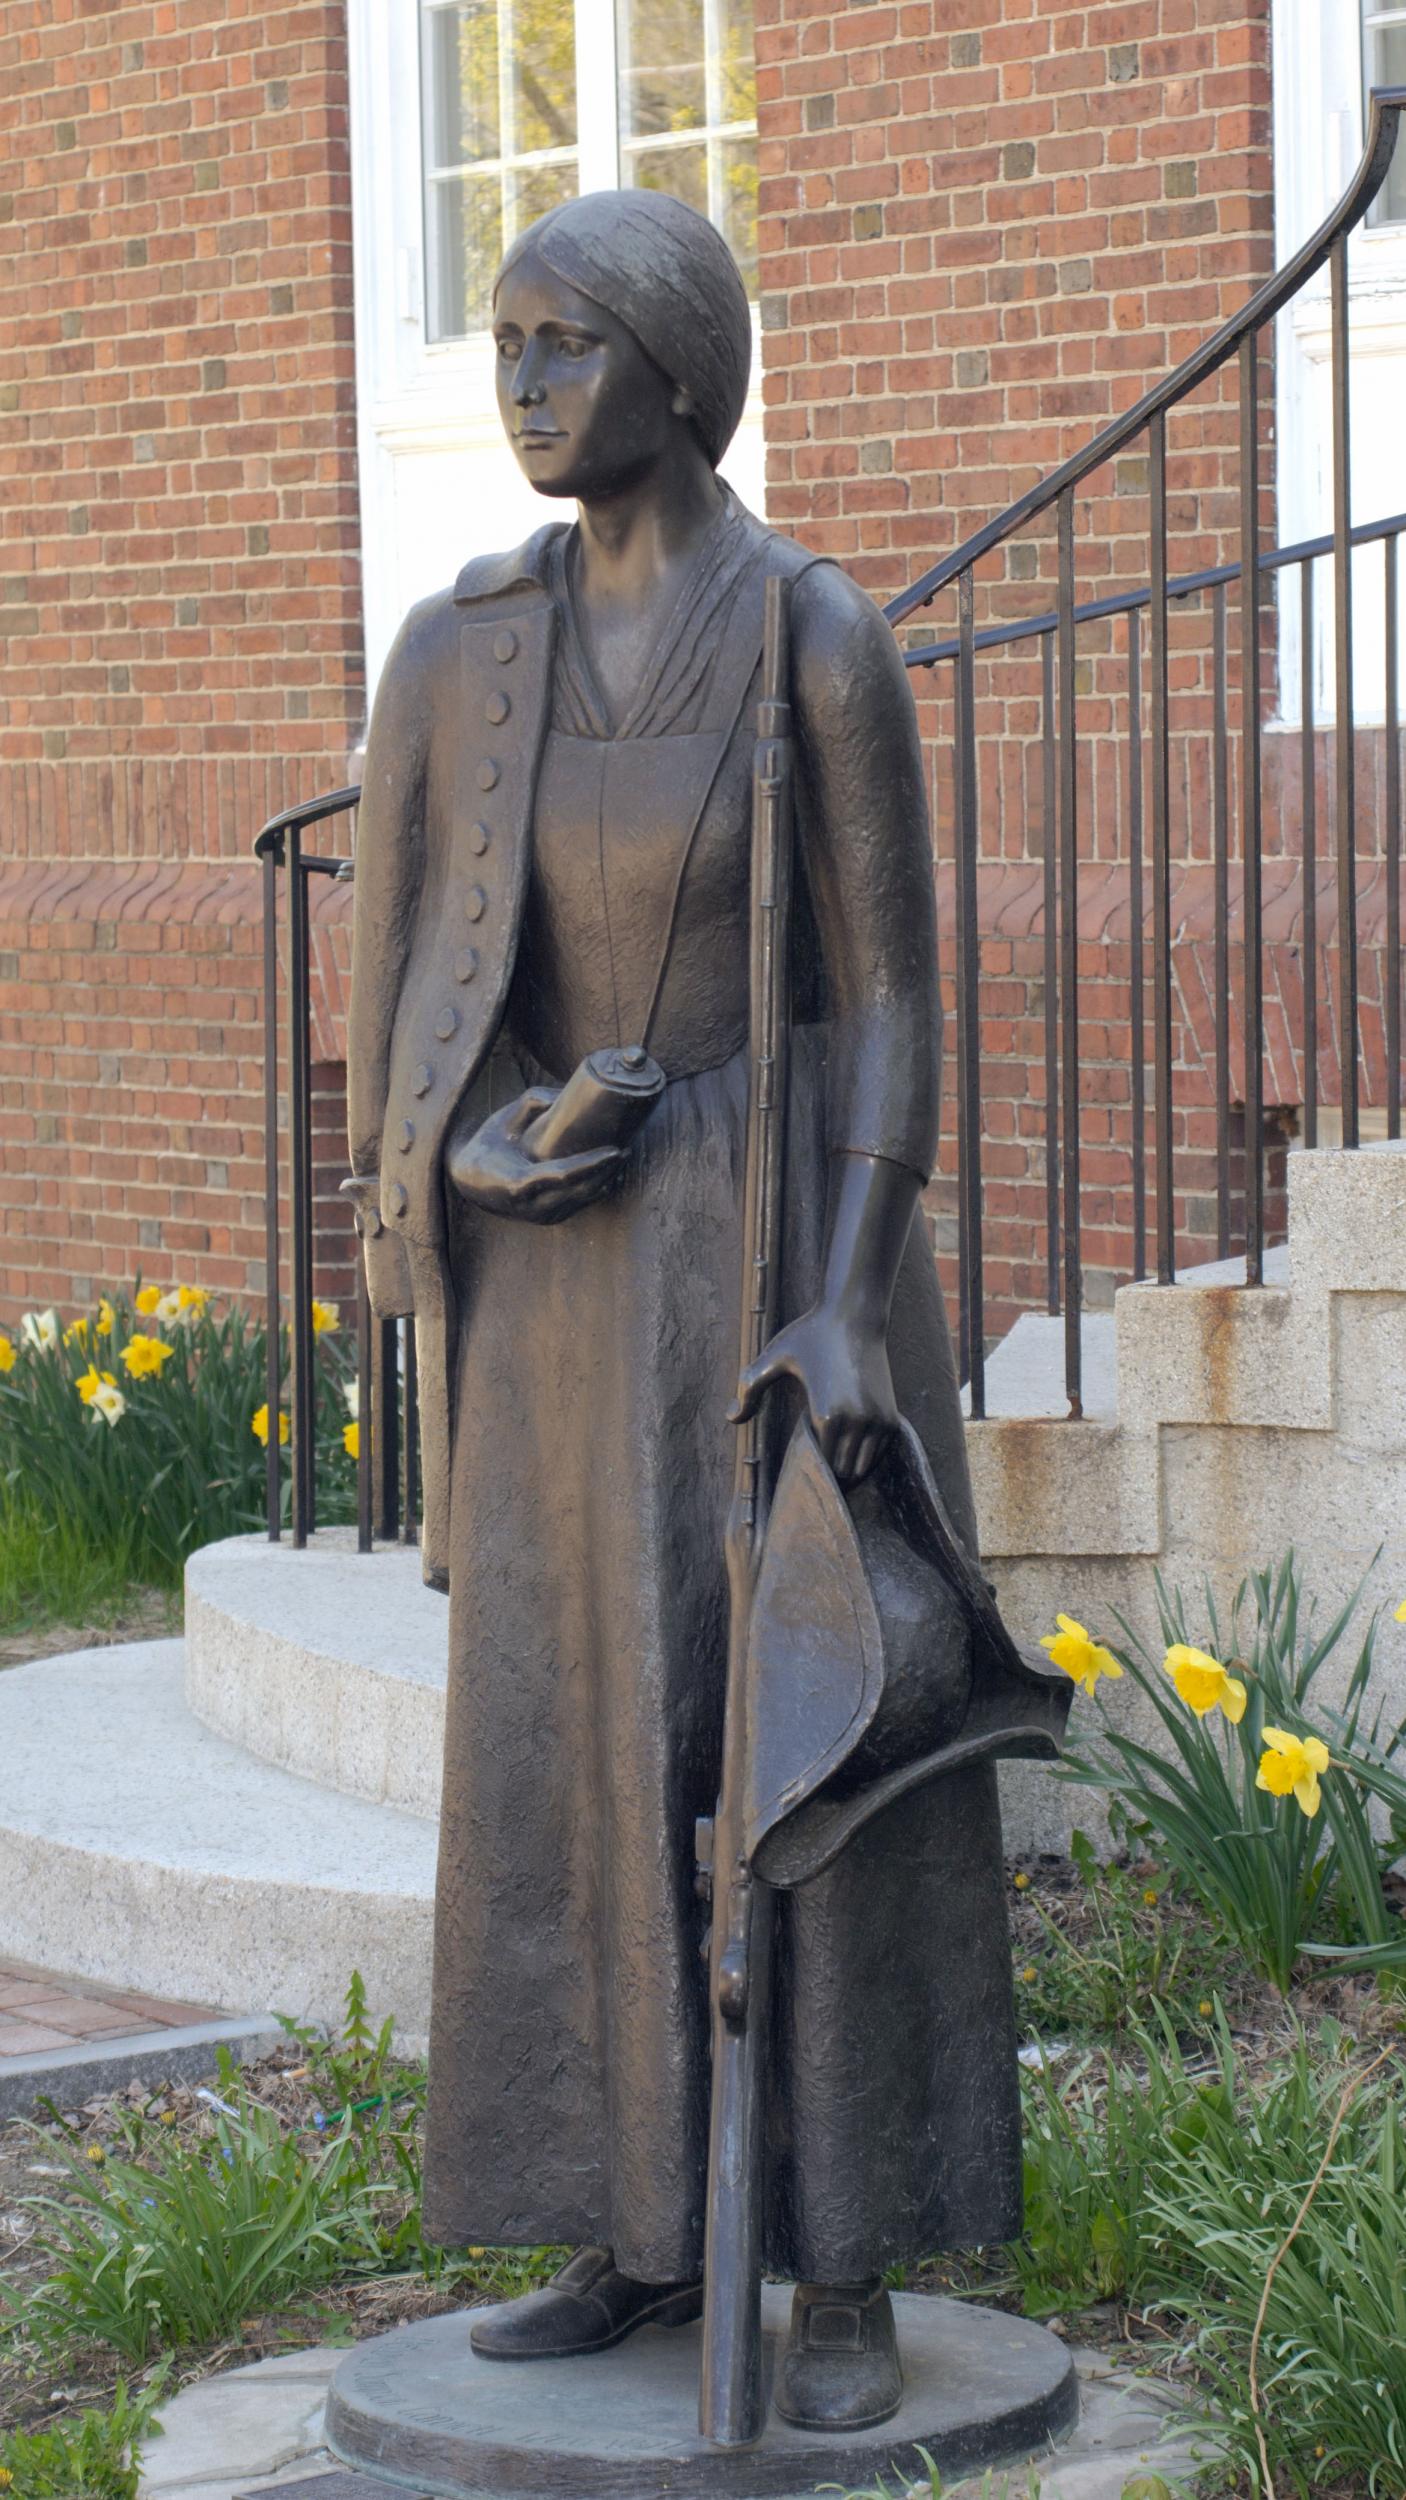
97 2456
1190 2187
169 2243
170 2240
51 1573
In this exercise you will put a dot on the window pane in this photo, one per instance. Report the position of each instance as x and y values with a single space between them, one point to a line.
532 190
683 171
461 83
1384 61
688 65
736 63
663 71
499 87
737 173
465 235
540 38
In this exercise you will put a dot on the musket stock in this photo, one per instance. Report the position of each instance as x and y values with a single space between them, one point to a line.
731 2401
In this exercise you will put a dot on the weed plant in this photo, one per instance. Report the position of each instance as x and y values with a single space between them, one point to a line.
96 2457
1276 1881
92 1505
1124 1955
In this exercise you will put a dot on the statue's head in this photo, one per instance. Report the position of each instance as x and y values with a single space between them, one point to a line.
623 332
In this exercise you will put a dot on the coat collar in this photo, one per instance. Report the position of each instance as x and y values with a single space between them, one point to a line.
525 568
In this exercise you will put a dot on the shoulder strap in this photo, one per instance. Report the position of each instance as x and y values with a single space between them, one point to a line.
737 667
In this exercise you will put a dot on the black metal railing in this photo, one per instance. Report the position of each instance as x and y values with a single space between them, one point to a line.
387 1464
1057 632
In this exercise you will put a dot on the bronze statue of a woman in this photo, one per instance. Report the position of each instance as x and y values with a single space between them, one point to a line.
552 862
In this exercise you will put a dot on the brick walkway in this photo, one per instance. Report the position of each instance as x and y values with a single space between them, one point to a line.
40 2011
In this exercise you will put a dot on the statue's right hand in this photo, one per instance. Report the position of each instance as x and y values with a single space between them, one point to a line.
493 1170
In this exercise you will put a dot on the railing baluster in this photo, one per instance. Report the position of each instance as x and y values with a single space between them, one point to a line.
1051 953
273 1378
1250 808
1161 858
363 1408
1346 753
1069 963
969 1003
410 1518
1135 917
300 1124
1391 969
1308 775
1220 829
385 1441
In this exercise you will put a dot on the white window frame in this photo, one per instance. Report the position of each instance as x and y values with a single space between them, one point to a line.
414 396
1319 132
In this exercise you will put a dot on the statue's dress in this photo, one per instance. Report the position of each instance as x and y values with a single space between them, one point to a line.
588 1601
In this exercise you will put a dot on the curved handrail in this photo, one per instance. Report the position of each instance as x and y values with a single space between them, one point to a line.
306 812
1386 105
1127 602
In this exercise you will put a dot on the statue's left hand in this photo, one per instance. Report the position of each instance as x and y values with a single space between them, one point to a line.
842 1366
492 1169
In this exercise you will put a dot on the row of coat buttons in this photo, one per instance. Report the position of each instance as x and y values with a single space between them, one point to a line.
488 775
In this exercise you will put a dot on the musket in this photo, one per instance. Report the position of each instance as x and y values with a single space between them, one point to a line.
731 2400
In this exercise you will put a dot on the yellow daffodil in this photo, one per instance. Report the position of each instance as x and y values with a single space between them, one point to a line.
182 1302
1022 1883
90 1381
351 1439
108 1401
1204 1684
41 1330
7 1355
259 1425
102 1325
149 1301
76 1332
326 1319
145 1354
1072 1648
1289 1767
6 2478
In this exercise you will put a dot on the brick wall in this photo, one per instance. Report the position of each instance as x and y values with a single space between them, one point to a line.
180 640
986 230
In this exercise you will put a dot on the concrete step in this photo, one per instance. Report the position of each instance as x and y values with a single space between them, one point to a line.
1025 1372
327 1663
138 1847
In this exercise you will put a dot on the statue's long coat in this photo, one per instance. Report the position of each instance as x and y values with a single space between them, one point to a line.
573 1384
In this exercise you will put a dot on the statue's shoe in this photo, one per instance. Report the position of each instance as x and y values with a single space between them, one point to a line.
840 2370
588 2307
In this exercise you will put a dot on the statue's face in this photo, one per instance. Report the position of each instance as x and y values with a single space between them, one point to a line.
585 409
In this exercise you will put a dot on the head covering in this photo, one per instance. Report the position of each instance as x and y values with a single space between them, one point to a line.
668 275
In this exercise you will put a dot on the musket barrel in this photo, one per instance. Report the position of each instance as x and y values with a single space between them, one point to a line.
732 2399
